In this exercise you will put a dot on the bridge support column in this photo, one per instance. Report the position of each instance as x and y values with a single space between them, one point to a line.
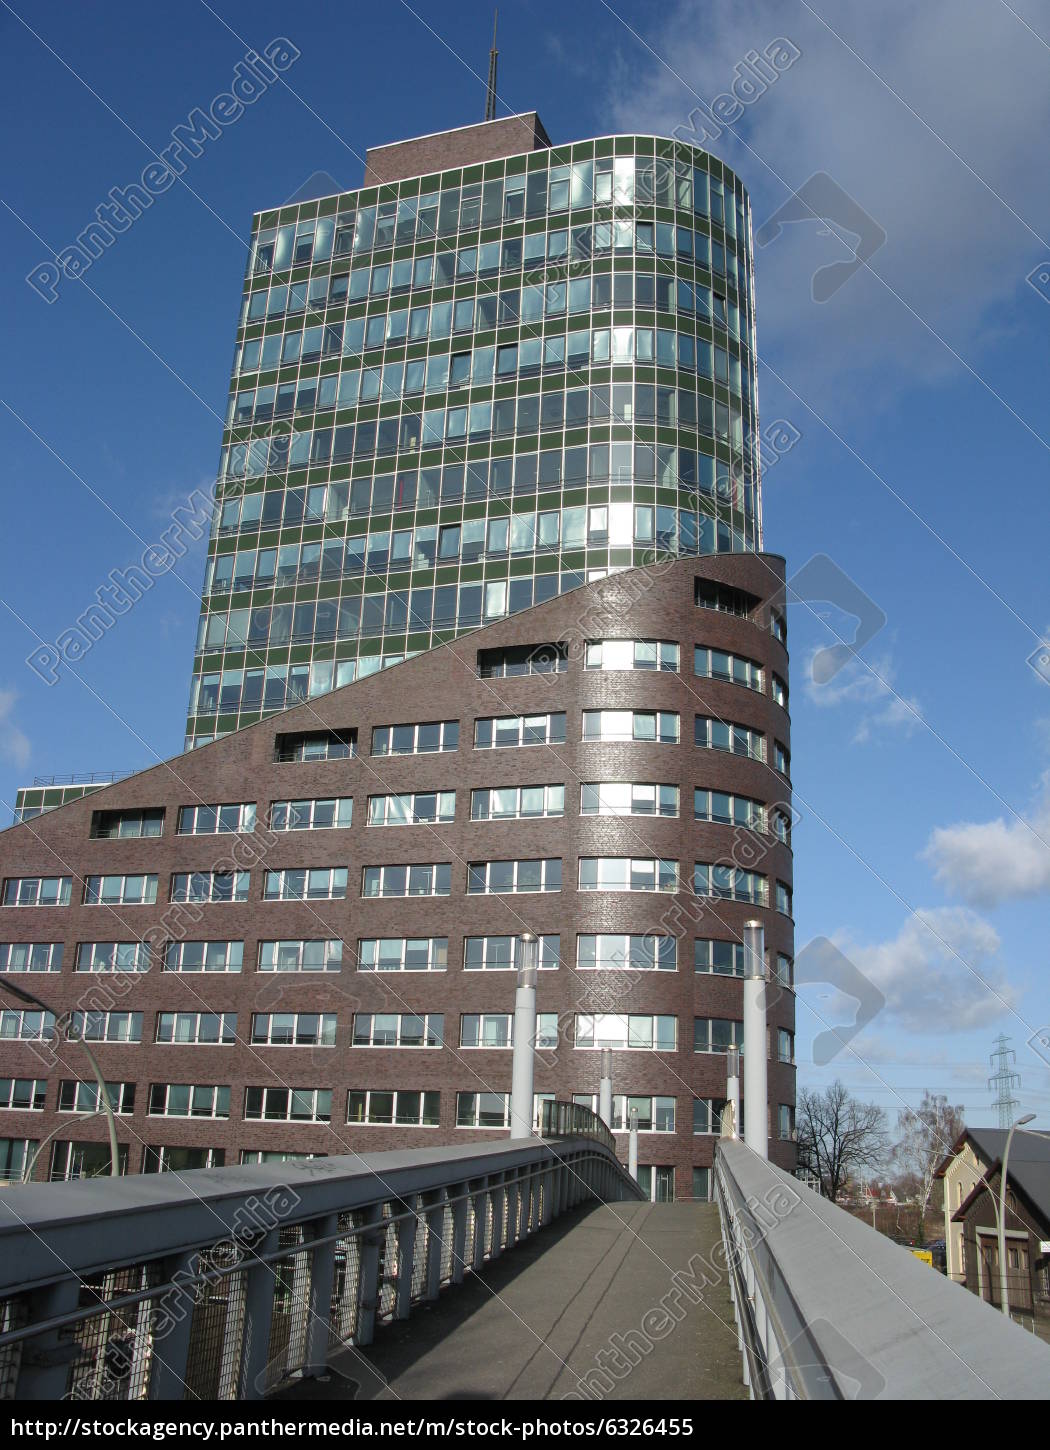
523 1060
371 1243
756 1109
317 1330
44 1371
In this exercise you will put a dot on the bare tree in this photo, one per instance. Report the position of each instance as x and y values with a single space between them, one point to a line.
927 1134
839 1137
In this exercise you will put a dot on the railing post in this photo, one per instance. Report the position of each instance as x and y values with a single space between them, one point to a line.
435 1217
171 1344
260 1278
319 1303
44 1371
459 1230
406 1253
371 1243
480 1201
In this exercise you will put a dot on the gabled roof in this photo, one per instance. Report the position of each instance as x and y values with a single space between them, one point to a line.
1028 1173
987 1143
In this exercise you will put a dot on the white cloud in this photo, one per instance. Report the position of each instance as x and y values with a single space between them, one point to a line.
987 862
941 973
870 691
953 252
14 743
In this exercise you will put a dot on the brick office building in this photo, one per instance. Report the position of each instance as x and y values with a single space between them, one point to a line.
494 426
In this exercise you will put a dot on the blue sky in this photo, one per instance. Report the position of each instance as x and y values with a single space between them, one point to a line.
922 769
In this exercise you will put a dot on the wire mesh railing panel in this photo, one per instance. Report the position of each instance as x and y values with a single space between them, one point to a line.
346 1286
13 1315
388 1269
446 1244
419 1253
114 1348
490 1225
291 1307
213 1361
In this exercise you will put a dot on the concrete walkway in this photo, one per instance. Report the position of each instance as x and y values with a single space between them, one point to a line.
574 1311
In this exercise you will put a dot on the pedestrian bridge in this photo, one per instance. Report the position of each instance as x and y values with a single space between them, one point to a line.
528 1268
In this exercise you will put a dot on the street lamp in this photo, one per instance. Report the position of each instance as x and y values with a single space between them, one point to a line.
107 1106
1004 1305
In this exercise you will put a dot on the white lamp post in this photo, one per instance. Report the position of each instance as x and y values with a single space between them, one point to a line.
522 1063
1004 1304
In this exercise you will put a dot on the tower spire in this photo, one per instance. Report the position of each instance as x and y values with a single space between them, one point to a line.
490 95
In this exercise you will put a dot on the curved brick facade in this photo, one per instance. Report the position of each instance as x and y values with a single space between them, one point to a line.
657 603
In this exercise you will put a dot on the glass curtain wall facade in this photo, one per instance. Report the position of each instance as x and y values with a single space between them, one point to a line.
459 395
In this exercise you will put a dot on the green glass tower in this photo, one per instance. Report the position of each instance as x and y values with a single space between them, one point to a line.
498 371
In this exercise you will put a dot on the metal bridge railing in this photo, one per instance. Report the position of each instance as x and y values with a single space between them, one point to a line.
574 1120
829 1309
222 1284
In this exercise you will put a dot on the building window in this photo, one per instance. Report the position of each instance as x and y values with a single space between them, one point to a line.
17 1025
323 883
785 970
785 1045
421 880
784 897
38 891
483 1110
399 1029
660 726
300 956
720 664
728 810
210 886
725 599
335 813
40 956
723 958
434 735
180 1160
315 745
201 1028
786 1121
780 691
730 883
120 890
712 734
204 956
23 1094
402 954
626 798
717 1034
627 1031
613 952
71 1161
510 731
626 873
781 758
404 1109
500 953
631 654
702 1184
655 1114
293 1029
217 820
707 1115
127 825
506 877
113 956
517 802
107 1026
288 1105
522 659
418 808
187 1100
15 1156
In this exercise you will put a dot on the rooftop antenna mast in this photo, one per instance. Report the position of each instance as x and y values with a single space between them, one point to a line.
490 95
